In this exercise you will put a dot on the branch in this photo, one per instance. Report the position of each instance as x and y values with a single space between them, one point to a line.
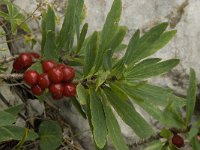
11 76
8 59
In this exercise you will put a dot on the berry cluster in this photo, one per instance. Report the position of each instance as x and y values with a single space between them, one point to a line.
56 77
24 61
178 141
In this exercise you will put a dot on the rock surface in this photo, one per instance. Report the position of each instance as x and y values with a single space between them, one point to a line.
182 15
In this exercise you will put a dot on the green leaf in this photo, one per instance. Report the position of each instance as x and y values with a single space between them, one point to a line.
116 41
195 144
66 35
6 118
131 47
15 18
82 37
82 94
149 68
15 109
78 107
15 133
191 96
98 119
102 78
50 52
109 30
171 118
114 131
148 44
155 145
129 115
37 67
50 134
165 133
90 53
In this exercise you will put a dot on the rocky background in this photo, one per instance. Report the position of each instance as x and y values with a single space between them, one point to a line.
182 15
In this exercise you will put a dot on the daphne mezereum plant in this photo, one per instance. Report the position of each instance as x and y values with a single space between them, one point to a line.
104 85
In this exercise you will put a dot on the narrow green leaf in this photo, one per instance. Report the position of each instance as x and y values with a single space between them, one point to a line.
82 37
50 47
79 11
109 30
114 131
2 14
131 46
6 118
142 70
78 107
44 31
191 96
142 48
129 115
82 94
116 41
195 144
50 134
15 109
66 35
98 119
15 133
102 78
90 54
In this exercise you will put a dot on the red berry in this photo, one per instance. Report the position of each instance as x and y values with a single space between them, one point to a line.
43 81
37 90
69 90
55 75
25 60
48 65
34 55
31 77
177 141
17 65
61 66
68 74
56 90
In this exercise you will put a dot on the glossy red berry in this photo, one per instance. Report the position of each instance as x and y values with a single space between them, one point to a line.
43 81
37 90
17 65
56 90
31 77
61 66
25 60
69 90
178 141
55 75
48 65
34 55
68 74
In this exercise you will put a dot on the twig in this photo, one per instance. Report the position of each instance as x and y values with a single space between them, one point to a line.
11 76
8 59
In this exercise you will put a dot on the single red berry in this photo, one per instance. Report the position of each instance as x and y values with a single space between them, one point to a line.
178 141
26 60
43 81
68 74
34 55
31 77
17 65
55 75
37 90
61 66
56 90
69 90
48 65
